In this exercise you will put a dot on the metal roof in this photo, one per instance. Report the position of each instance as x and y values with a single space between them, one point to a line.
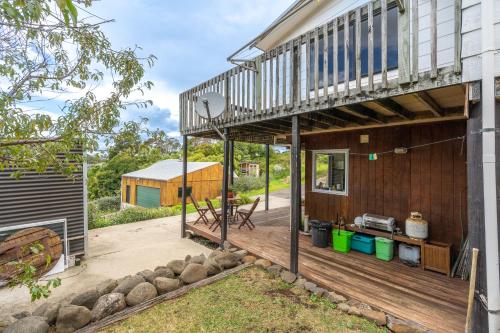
168 169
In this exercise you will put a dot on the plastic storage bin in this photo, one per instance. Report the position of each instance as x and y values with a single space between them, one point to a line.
363 243
384 248
342 240
409 255
320 231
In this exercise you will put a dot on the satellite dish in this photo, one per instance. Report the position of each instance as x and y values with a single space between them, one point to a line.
210 105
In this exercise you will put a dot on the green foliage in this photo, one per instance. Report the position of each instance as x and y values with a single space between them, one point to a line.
49 50
108 204
247 183
133 215
245 199
27 272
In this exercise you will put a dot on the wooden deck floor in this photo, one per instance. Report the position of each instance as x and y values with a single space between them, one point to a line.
427 298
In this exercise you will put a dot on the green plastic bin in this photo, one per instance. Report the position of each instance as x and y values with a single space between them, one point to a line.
384 248
342 240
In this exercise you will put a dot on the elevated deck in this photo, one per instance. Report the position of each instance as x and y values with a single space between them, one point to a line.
427 298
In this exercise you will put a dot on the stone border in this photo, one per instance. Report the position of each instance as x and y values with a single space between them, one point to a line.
130 311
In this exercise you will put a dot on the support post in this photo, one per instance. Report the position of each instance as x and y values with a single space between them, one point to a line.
295 197
184 185
225 183
231 162
267 177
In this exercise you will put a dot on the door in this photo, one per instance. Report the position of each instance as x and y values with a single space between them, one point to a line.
148 197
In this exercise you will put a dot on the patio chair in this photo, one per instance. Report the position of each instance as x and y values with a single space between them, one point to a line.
245 215
202 211
216 213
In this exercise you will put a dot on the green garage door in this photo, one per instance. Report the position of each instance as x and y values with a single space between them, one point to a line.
148 197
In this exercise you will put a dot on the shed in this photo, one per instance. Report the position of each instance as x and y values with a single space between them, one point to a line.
161 183
44 199
251 169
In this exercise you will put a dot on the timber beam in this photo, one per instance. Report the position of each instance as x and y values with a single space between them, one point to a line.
330 121
363 111
310 120
497 89
343 116
430 103
393 107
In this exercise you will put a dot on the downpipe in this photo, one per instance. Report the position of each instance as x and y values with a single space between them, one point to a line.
489 163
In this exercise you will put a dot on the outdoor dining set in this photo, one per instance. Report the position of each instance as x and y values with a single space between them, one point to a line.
237 215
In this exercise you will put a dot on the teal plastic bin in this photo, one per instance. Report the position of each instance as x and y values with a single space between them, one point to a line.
384 248
363 243
342 240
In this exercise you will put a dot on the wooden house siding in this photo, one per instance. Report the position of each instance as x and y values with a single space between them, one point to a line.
205 183
431 179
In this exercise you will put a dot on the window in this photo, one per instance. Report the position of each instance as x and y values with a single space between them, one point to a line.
189 190
127 194
330 171
392 48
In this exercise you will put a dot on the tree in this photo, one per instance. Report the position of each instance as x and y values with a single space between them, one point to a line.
47 50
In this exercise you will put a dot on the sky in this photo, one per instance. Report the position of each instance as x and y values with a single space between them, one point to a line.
190 38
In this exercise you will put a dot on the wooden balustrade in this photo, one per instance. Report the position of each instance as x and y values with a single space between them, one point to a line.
345 58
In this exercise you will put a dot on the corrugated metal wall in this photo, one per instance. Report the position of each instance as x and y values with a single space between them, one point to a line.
40 197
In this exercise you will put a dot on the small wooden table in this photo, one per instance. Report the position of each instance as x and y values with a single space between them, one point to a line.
232 204
398 238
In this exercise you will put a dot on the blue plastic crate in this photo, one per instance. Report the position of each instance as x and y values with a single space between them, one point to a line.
363 243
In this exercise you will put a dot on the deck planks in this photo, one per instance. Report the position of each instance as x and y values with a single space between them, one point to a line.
430 299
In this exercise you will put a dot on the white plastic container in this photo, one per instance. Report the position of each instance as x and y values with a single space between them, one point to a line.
409 255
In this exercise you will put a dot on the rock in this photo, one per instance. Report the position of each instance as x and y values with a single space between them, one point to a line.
108 304
215 253
21 314
187 259
106 286
128 284
288 277
29 324
71 318
274 270
212 266
241 253
249 259
123 278
299 283
198 259
145 273
86 299
160 267
377 316
226 245
6 320
164 285
193 273
343 307
142 292
354 311
400 326
335 298
164 272
227 260
262 263
320 292
232 249
309 286
48 310
177 266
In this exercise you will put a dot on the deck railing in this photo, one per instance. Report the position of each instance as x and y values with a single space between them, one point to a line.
375 50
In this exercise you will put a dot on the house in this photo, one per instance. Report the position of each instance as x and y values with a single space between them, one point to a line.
160 184
394 103
48 200
251 169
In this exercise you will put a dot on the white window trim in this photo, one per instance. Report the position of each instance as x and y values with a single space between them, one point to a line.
331 151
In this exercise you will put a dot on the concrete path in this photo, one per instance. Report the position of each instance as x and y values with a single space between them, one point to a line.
118 251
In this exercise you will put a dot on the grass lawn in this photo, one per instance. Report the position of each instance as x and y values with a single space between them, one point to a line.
250 301
274 185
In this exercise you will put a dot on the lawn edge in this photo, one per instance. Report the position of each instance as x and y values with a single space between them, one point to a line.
130 311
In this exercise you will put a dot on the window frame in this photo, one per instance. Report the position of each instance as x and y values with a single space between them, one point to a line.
346 171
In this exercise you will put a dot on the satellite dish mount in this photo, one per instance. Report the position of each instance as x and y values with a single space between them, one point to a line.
211 106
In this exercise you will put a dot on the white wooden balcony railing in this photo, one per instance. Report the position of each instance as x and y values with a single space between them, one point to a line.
379 50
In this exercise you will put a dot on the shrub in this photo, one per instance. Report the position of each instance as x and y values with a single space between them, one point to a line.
278 171
134 214
245 199
247 183
108 204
